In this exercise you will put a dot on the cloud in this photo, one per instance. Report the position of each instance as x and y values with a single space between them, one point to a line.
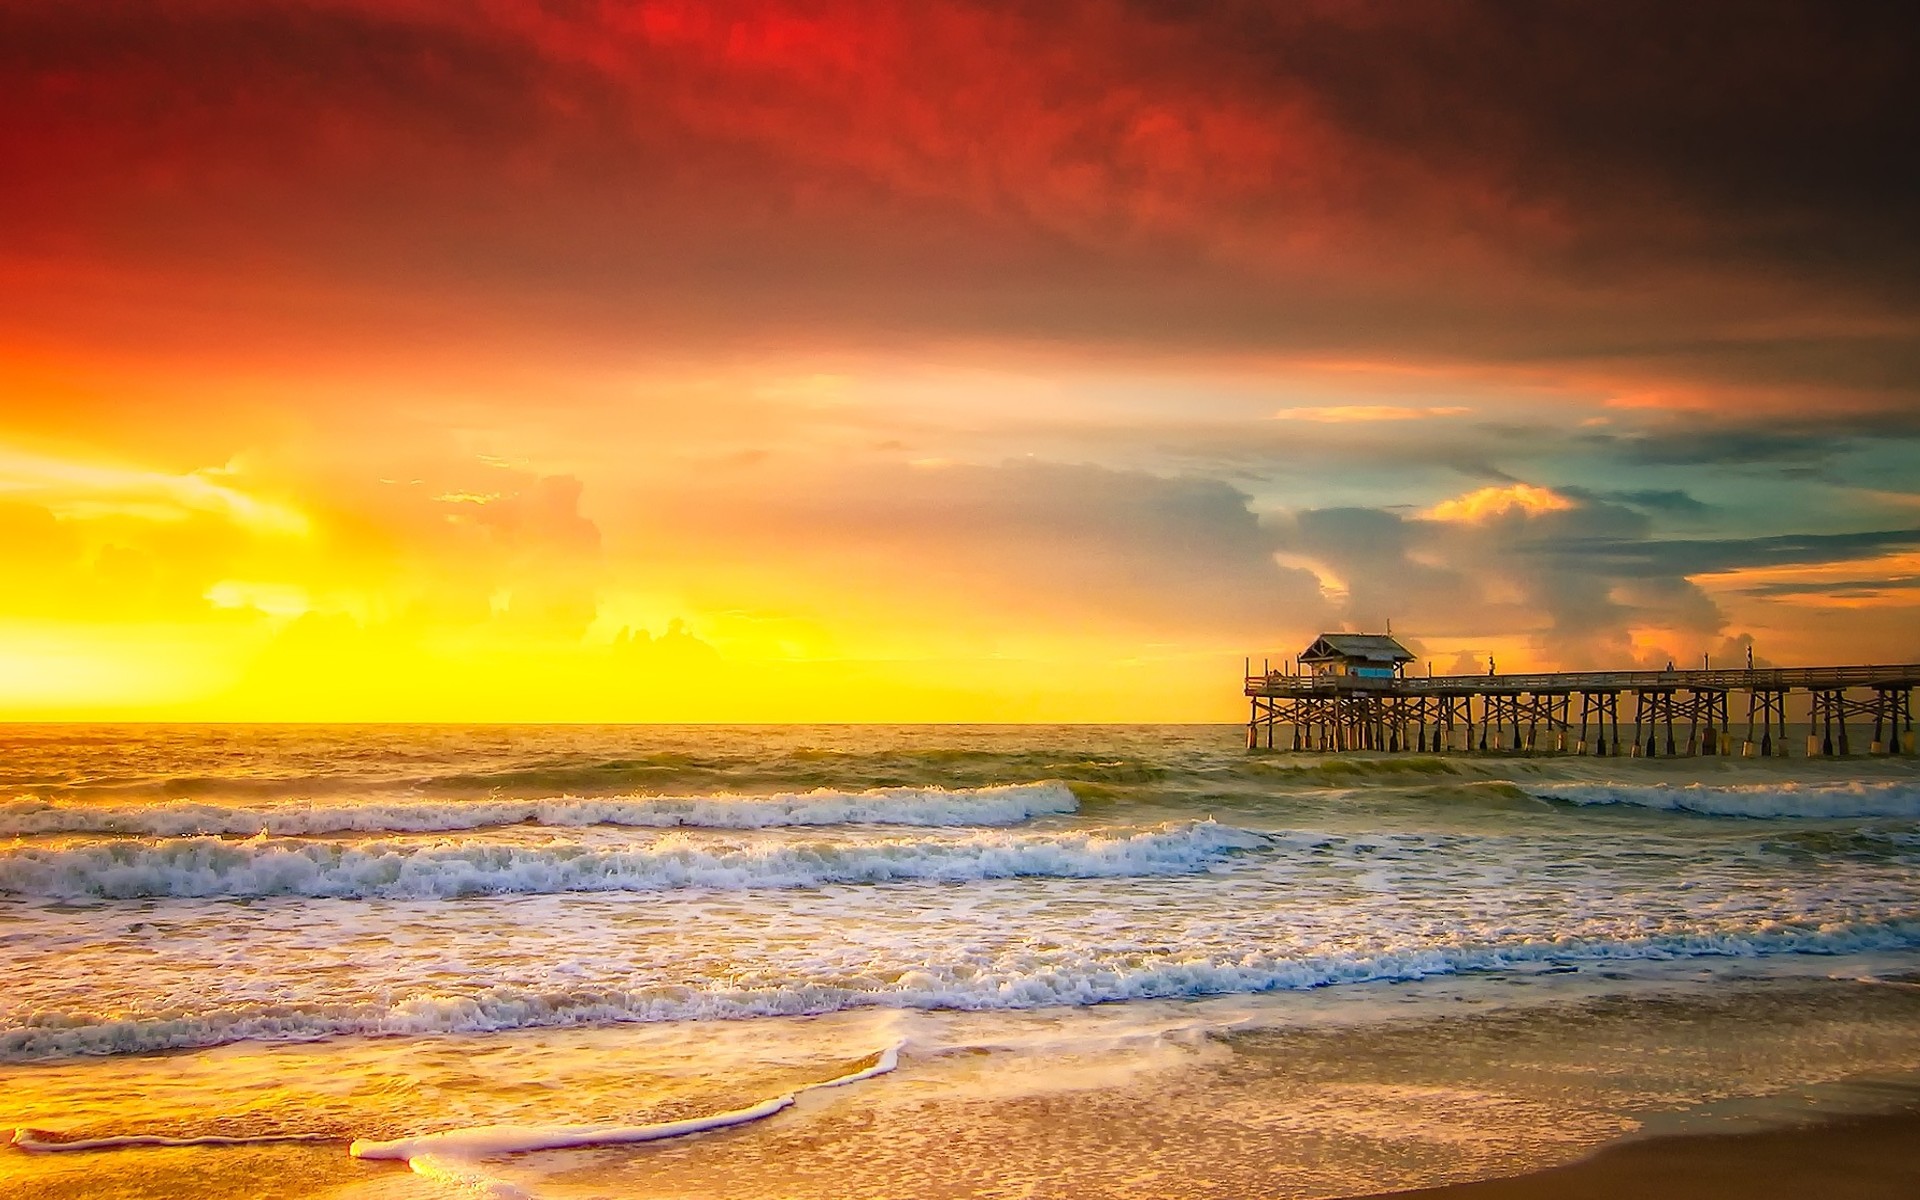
1590 584
1495 571
34 538
87 490
675 647
1009 551
466 544
1491 502
1703 556
1842 593
1700 445
1186 312
273 599
1657 500
552 555
1307 180
1344 413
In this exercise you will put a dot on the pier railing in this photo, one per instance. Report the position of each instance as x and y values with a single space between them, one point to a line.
1280 684
1686 712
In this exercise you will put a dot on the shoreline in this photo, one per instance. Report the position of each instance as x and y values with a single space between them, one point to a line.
1845 1157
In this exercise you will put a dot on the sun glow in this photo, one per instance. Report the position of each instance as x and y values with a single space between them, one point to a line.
767 361
477 588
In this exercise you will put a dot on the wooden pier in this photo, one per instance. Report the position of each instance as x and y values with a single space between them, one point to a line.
1347 701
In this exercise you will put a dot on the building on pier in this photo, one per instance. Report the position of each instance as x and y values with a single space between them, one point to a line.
1351 692
1359 655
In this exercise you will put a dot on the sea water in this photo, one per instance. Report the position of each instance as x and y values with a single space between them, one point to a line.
917 961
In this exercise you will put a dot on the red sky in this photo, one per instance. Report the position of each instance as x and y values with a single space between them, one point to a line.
881 344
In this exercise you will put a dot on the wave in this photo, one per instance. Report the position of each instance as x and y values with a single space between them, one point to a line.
380 766
1084 979
1005 805
448 1156
489 1140
397 768
1783 799
1340 770
212 867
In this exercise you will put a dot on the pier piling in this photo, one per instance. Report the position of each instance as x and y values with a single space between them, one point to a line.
1378 708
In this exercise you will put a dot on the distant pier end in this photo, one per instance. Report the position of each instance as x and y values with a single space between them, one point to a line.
1352 691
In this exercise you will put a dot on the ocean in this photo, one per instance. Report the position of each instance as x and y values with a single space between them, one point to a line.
569 962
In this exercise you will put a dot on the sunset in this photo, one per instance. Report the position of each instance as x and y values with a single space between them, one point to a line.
948 363
1086 534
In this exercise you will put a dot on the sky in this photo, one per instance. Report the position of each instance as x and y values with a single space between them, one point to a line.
766 361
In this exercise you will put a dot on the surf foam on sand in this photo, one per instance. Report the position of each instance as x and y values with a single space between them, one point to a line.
453 1155
489 1140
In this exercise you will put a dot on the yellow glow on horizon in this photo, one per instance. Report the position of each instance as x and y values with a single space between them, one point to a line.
383 609
66 671
697 554
273 599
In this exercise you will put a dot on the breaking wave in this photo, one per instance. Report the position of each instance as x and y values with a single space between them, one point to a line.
395 869
1782 799
1005 805
1082 978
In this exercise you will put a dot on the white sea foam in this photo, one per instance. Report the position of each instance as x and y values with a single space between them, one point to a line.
1083 978
1002 805
448 1156
464 1178
487 1141
397 869
1780 799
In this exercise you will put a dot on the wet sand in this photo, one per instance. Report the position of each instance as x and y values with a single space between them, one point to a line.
1852 1158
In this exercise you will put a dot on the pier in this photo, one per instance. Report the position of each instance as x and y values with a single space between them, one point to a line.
1352 692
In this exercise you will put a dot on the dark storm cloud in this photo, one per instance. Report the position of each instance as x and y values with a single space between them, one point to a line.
1700 556
1499 575
1706 444
1585 583
1762 128
1845 589
1800 423
1656 500
1493 183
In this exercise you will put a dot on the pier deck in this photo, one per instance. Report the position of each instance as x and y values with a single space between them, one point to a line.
1675 712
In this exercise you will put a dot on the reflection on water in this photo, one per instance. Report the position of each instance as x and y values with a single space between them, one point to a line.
1337 976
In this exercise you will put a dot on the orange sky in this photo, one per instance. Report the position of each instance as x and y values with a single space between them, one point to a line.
657 361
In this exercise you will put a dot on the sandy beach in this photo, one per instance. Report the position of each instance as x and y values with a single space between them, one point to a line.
1113 962
959 600
1850 1158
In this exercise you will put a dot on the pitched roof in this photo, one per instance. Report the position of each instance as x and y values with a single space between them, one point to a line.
1372 647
